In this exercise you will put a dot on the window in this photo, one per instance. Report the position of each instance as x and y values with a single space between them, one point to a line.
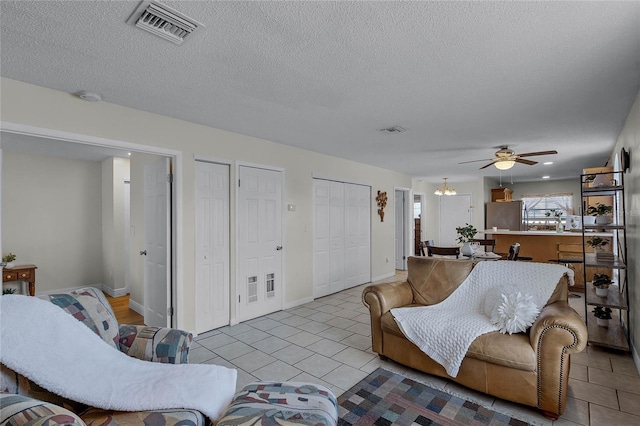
536 206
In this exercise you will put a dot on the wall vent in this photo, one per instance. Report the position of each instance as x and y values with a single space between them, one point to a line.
163 21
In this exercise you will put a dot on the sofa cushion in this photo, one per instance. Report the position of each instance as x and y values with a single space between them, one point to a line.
512 351
22 410
433 279
90 307
175 417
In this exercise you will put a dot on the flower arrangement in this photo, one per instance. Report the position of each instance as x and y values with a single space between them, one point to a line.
466 233
556 213
9 258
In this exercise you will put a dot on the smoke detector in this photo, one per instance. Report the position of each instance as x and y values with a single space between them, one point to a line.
163 21
89 96
393 130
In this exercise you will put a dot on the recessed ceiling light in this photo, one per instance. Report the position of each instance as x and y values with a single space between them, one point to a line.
129 154
546 177
546 163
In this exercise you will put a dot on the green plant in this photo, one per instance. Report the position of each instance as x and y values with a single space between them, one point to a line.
9 257
8 291
602 313
597 242
599 210
601 280
466 233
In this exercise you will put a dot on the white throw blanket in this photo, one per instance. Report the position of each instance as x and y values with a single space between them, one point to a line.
47 345
446 330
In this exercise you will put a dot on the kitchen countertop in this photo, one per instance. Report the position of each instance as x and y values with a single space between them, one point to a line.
541 233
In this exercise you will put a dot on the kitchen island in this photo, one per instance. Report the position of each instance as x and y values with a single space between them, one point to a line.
546 246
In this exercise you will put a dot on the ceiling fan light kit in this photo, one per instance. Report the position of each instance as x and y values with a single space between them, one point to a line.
445 190
504 164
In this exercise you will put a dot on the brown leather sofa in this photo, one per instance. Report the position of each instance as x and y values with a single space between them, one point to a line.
528 368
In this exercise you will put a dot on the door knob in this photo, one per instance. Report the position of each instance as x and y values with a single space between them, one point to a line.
143 252
278 248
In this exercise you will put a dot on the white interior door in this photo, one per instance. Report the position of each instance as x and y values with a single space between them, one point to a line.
328 237
157 276
455 211
358 234
212 246
127 236
260 255
401 257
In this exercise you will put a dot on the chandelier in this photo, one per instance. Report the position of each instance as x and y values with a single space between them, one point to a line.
445 190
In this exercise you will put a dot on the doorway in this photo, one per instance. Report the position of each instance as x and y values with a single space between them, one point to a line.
402 207
455 211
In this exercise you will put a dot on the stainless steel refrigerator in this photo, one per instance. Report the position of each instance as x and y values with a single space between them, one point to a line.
505 215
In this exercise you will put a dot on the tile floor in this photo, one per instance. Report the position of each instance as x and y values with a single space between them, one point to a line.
328 341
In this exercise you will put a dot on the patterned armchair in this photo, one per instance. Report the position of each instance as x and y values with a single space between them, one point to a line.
23 401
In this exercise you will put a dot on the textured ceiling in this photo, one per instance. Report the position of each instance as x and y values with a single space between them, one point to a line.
462 77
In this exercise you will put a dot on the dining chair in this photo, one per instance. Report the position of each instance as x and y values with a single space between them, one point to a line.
443 251
488 244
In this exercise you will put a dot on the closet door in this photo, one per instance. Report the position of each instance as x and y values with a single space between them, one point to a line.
342 235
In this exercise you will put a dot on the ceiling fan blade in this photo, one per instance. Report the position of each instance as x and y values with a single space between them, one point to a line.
531 154
528 162
490 164
475 161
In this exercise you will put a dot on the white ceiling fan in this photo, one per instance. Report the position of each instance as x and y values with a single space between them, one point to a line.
506 158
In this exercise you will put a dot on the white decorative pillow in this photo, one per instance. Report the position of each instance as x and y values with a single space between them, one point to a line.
510 310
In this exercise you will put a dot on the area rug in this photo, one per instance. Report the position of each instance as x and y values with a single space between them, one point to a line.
385 398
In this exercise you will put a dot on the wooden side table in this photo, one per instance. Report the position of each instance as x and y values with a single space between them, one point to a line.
22 273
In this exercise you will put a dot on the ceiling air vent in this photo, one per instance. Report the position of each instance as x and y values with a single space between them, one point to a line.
393 130
163 21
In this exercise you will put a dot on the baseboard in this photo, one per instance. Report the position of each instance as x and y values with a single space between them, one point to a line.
135 306
297 303
383 276
118 292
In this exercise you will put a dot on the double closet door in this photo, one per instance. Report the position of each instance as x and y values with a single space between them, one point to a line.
341 236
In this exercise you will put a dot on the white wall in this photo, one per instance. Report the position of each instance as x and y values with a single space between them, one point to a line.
630 139
37 106
56 222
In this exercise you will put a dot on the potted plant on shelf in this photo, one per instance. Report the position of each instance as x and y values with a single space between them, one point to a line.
8 259
602 212
597 243
465 234
602 282
557 214
603 315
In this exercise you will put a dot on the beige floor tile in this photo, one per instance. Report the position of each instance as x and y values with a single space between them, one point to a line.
328 309
347 314
344 376
605 416
596 361
315 327
253 361
264 323
302 311
618 381
303 338
624 366
353 357
321 317
252 336
577 411
317 365
579 372
629 402
292 354
295 320
334 333
217 341
593 393
270 344
234 350
244 379
284 331
358 341
326 347
362 329
200 355
276 371
340 322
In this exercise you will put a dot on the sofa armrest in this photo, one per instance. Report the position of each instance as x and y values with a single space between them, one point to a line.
380 299
558 332
156 344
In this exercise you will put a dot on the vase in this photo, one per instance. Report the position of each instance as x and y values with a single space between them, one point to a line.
602 291
603 220
467 249
589 220
9 265
602 322
559 228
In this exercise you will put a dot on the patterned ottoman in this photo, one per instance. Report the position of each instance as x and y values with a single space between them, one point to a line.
280 403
